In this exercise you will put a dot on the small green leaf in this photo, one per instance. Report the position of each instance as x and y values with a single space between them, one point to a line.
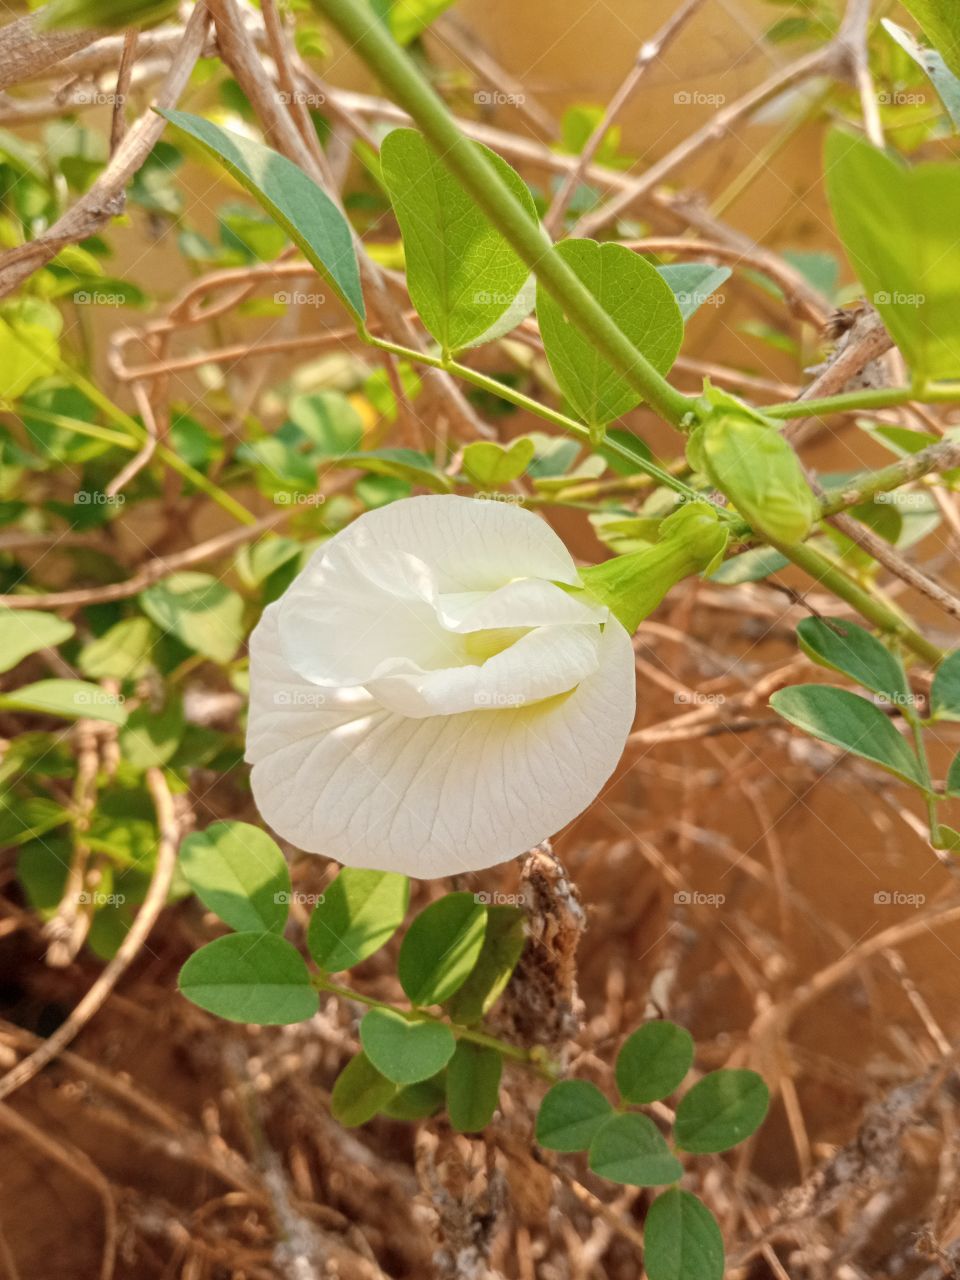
360 912
570 1115
72 699
845 646
941 23
681 1239
473 1086
405 1050
641 302
629 1148
24 631
150 738
653 1061
751 566
693 283
250 977
417 1101
721 1110
400 464
941 77
464 278
850 722
359 1092
490 465
898 226
306 213
200 611
441 948
239 873
953 777
122 653
408 19
502 944
945 690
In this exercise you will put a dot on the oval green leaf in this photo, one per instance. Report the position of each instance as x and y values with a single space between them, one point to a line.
473 1086
848 721
71 699
199 610
681 1239
845 646
303 209
359 1092
570 1115
441 948
24 631
237 871
721 1110
250 977
405 1050
653 1062
945 690
360 911
630 1149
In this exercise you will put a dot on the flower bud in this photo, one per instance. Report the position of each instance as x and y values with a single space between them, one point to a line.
750 461
691 540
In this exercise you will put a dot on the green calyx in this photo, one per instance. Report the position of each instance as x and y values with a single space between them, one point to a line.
691 540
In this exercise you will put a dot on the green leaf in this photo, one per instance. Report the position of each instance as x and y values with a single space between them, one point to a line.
360 911
72 699
898 226
250 977
464 278
405 1050
848 721
328 420
570 1115
490 465
945 690
106 14
408 19
150 738
400 464
653 1061
721 1110
941 77
629 1148
641 302
122 653
681 1239
24 631
441 948
953 777
473 1086
845 646
306 213
503 943
360 1091
200 611
941 23
417 1101
237 871
692 283
751 566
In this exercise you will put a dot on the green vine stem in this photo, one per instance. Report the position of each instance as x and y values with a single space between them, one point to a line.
870 398
526 1058
370 39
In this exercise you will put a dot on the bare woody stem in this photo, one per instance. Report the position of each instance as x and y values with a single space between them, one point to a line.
466 162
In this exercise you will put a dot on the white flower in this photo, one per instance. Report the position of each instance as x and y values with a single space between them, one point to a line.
424 698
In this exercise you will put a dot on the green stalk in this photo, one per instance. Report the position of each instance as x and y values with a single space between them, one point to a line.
870 398
369 38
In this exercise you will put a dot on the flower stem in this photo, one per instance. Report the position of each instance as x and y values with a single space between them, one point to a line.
369 38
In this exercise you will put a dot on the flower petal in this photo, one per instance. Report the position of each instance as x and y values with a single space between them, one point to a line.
433 796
